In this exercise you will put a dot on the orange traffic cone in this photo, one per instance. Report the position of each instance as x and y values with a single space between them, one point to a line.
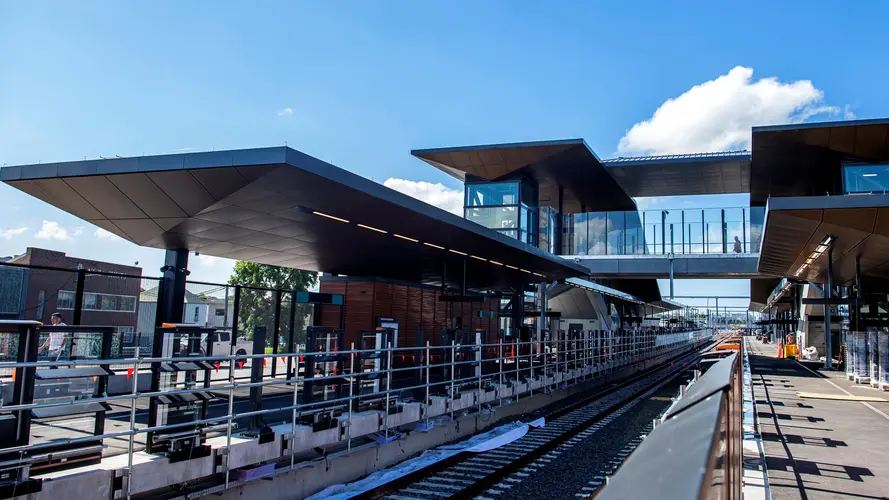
780 349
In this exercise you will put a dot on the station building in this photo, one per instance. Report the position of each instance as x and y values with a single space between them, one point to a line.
542 220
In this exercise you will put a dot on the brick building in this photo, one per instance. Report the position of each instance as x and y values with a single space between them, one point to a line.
413 307
35 292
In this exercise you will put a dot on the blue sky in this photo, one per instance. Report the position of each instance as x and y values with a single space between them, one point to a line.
360 84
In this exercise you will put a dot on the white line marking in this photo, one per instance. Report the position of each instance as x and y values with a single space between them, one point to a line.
878 412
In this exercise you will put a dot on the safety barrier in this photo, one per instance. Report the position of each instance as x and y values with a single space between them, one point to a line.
445 381
697 451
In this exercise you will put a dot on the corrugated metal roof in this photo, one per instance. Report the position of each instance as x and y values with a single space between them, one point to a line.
686 156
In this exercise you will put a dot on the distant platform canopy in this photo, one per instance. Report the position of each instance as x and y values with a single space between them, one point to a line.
282 207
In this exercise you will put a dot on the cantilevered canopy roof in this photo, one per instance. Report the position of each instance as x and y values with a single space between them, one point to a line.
803 159
570 164
280 206
679 175
760 291
795 226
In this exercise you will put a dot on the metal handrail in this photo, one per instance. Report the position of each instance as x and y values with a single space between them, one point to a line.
587 345
697 451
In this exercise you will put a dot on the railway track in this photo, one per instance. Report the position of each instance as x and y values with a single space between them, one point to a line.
498 472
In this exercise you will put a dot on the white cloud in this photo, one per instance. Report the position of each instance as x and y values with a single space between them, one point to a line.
207 260
285 112
104 234
8 234
717 115
436 194
51 230
848 114
644 203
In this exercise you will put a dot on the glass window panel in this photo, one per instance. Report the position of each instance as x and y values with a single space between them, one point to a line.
654 231
492 194
634 236
494 217
693 231
581 235
65 300
755 218
866 178
529 192
91 301
713 230
547 229
597 230
128 303
615 237
568 234
509 232
735 235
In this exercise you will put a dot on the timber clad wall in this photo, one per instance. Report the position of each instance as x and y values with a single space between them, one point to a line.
413 306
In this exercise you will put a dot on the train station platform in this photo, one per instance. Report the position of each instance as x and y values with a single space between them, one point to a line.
824 437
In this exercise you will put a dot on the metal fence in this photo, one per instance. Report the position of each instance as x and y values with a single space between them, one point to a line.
349 380
697 451
129 303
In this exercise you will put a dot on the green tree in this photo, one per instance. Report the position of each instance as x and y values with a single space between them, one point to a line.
257 307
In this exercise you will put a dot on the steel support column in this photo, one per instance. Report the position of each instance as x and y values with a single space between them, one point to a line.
559 223
828 294
175 272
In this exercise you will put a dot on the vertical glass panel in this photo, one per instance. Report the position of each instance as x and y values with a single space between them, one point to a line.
735 235
673 231
693 231
568 234
527 224
615 236
529 192
866 178
546 234
494 217
634 236
756 219
492 194
597 229
654 231
581 234
713 230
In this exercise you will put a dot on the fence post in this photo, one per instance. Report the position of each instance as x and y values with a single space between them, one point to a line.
428 401
500 361
388 385
295 404
478 357
351 392
131 444
231 410
453 374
